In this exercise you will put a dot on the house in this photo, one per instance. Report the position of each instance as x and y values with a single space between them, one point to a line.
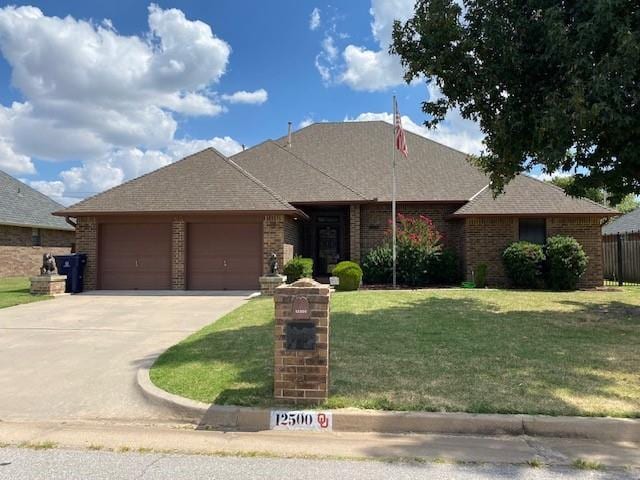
625 224
210 222
27 228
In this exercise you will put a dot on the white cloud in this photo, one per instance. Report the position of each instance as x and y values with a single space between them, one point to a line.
53 190
257 97
314 19
305 122
455 132
105 98
363 68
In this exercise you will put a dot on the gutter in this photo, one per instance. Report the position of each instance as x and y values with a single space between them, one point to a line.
70 222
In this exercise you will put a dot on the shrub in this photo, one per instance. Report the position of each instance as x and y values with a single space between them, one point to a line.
566 262
412 264
377 266
350 275
480 275
444 268
297 268
523 264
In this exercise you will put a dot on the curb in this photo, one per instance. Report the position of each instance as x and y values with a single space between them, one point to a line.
231 417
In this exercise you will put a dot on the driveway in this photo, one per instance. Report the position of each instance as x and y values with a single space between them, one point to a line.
76 357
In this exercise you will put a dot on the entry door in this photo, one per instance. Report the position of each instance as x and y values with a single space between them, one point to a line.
135 256
328 248
224 256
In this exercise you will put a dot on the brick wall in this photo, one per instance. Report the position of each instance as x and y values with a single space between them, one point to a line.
87 242
486 238
292 235
273 240
354 233
588 232
18 258
178 254
374 222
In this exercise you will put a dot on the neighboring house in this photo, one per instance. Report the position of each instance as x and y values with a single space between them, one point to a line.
626 224
210 222
28 229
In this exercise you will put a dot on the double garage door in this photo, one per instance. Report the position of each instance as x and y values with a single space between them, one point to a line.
219 256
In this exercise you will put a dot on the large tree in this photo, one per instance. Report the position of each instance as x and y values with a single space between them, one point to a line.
551 83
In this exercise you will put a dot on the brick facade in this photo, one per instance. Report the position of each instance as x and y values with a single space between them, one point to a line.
485 238
87 243
588 232
178 254
354 233
18 256
484 241
374 222
278 236
292 235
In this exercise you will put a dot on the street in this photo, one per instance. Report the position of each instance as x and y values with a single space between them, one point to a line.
25 463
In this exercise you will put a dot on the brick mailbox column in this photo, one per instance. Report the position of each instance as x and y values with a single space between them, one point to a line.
302 342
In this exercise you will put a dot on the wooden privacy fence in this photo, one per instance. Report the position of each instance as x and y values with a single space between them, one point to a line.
621 255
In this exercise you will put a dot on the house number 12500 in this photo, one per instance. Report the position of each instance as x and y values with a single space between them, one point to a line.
301 420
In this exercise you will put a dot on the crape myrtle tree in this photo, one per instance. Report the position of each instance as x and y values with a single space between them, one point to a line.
551 83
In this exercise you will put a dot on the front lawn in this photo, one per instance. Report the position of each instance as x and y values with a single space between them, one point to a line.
478 351
15 290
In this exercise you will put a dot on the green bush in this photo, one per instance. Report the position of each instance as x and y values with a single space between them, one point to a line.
350 275
444 269
566 262
412 264
523 262
297 268
377 266
480 275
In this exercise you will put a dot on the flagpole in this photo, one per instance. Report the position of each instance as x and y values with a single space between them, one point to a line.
393 192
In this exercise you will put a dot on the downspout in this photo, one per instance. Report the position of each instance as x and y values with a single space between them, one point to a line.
70 222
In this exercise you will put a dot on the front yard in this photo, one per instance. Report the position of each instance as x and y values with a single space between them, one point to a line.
15 290
478 351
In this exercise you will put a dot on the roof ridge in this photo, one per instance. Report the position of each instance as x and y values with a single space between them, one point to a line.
84 200
308 164
549 184
255 180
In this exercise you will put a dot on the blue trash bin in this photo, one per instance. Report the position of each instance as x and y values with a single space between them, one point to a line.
73 267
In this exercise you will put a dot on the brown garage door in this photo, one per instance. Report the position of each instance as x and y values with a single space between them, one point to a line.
135 256
224 256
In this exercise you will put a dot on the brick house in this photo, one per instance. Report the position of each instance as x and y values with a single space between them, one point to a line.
27 228
211 222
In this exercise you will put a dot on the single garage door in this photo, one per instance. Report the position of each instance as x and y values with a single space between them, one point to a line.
135 256
224 256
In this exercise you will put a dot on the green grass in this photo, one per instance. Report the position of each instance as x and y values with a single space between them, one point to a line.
475 351
15 290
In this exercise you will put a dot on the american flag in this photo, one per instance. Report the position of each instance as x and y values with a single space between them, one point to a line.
401 141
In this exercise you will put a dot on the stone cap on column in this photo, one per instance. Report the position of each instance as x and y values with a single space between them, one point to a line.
304 286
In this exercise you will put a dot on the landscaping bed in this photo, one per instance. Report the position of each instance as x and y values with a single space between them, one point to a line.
480 351
15 290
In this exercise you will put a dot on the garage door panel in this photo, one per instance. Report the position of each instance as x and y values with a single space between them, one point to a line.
224 256
135 256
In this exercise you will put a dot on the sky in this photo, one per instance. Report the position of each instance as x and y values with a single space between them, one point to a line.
95 93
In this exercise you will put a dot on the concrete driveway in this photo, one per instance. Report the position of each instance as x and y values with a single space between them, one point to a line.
76 357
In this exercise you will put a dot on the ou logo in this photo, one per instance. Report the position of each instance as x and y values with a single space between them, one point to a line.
323 420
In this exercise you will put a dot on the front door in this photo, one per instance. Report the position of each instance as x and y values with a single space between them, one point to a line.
328 243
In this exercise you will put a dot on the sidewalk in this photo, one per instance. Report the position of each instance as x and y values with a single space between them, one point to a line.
182 438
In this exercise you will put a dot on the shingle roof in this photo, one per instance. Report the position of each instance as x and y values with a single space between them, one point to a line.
23 206
205 181
358 154
627 223
291 176
525 195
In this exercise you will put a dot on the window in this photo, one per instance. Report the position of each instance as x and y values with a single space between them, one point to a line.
35 237
533 230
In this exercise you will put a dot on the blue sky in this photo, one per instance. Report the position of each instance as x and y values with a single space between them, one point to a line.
94 93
